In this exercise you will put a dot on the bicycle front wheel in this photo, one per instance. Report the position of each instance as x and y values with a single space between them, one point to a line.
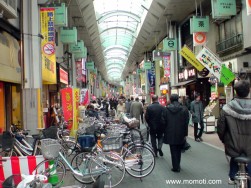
54 171
110 165
81 163
139 161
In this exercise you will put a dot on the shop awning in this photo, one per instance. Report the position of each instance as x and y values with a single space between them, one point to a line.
183 83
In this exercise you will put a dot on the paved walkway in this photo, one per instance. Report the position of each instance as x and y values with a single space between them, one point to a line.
209 138
204 165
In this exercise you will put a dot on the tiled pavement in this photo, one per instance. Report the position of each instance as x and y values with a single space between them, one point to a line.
204 163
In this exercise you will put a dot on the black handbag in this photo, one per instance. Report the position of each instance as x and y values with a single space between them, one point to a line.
186 146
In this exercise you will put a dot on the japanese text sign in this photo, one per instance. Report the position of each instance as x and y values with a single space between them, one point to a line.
190 57
48 45
67 105
147 65
167 64
200 24
226 76
210 61
223 8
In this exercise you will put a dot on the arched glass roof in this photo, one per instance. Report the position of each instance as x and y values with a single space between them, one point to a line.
119 22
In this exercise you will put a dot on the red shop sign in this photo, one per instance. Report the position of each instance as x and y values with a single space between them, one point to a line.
63 76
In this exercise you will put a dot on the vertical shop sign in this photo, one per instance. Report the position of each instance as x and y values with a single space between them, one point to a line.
97 81
151 79
48 45
75 111
63 76
79 70
248 3
210 61
167 64
67 105
84 97
83 70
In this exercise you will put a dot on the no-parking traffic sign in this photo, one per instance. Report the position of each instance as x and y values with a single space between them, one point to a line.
49 49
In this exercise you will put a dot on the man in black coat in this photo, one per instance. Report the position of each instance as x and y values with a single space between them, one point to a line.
176 129
153 119
234 127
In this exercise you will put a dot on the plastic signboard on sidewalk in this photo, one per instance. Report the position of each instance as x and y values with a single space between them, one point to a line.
19 165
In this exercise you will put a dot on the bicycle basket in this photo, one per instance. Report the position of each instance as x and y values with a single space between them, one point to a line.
112 143
50 148
50 132
86 141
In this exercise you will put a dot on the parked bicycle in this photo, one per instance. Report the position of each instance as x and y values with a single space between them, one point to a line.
15 143
92 165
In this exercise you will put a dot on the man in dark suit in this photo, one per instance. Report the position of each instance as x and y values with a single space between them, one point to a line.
176 129
153 119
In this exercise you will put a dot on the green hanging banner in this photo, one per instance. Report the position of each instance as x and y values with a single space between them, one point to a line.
61 16
68 35
95 70
147 65
80 55
139 71
200 24
226 76
157 55
77 48
169 44
223 8
89 65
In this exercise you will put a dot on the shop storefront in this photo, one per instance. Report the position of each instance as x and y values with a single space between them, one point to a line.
10 82
187 83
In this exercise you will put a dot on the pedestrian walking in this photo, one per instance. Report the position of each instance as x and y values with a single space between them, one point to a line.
176 119
234 127
197 112
136 109
153 118
142 113
127 105
187 102
120 108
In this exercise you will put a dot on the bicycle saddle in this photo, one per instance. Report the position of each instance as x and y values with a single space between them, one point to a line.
242 159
